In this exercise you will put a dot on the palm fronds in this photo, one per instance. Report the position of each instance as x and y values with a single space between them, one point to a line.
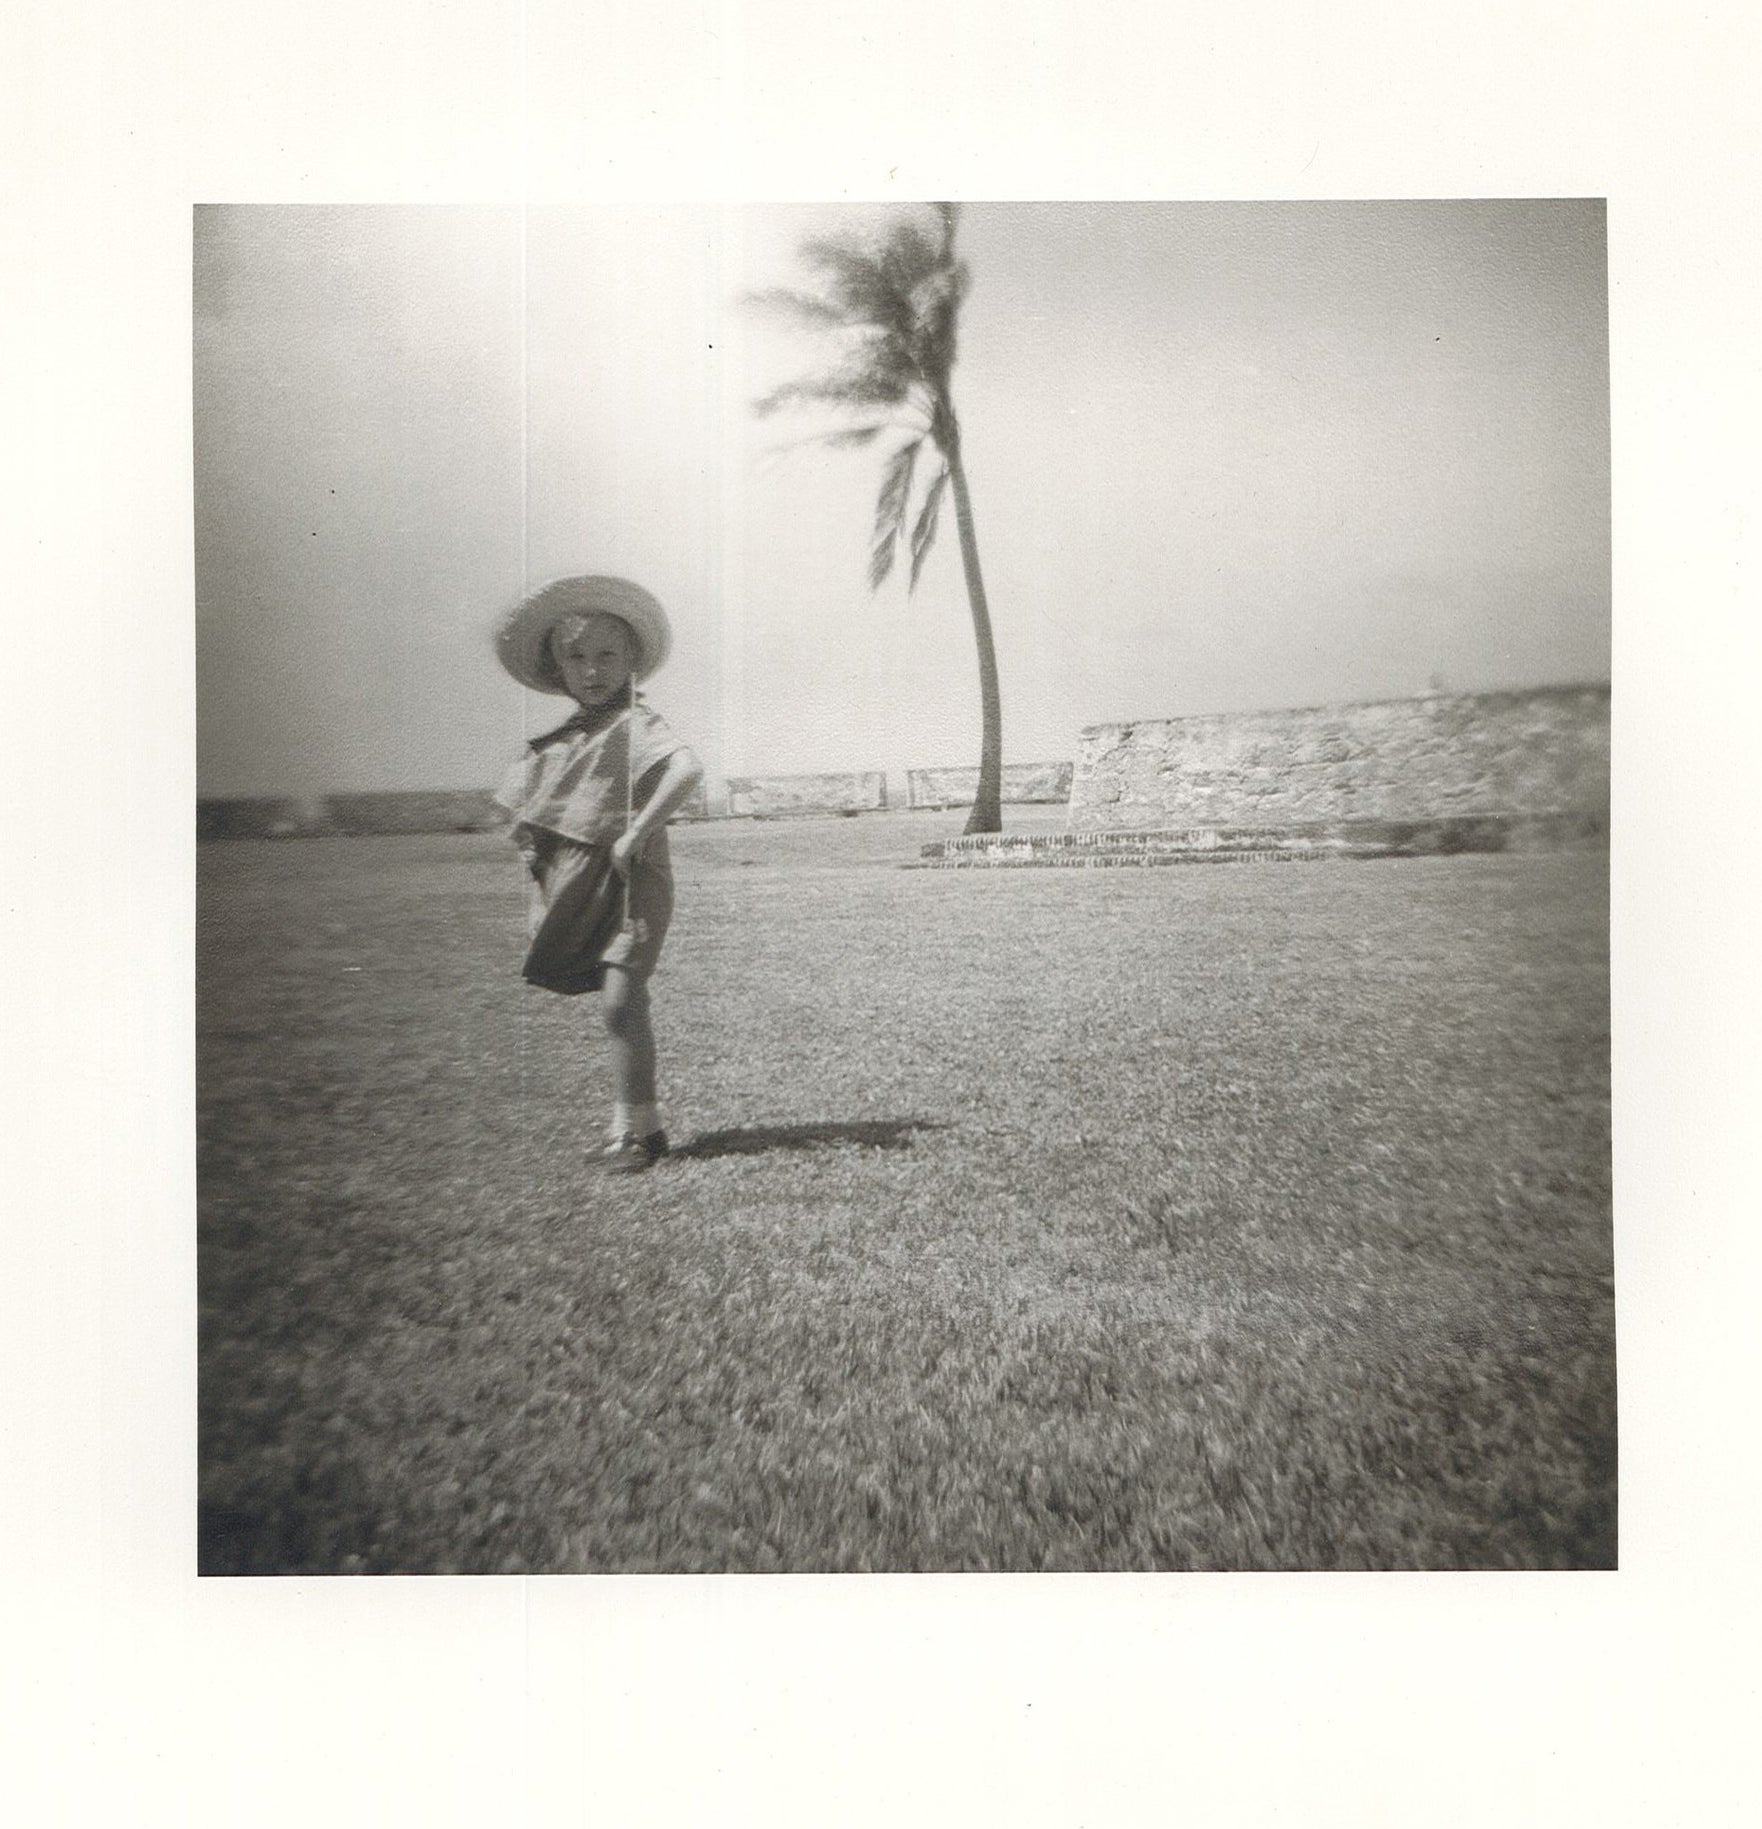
896 301
925 532
849 386
890 507
852 436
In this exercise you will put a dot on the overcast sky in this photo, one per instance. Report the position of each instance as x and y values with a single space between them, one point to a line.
1223 457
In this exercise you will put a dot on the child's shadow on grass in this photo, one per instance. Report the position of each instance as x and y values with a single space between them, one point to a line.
756 1139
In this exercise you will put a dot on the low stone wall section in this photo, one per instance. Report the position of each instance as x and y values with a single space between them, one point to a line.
364 815
777 796
1022 784
1346 838
1448 756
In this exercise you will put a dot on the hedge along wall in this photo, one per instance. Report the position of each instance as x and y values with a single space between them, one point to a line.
1542 751
1022 784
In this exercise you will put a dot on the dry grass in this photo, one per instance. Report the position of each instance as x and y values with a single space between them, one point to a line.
1236 1217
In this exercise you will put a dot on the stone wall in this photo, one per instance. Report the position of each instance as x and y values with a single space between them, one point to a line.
773 796
360 815
332 815
1023 784
1449 756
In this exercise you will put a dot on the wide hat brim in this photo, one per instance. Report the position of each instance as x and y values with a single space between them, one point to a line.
523 636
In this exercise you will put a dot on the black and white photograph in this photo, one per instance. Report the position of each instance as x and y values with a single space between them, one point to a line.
900 889
876 916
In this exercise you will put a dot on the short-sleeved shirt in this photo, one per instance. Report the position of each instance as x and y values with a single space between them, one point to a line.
571 781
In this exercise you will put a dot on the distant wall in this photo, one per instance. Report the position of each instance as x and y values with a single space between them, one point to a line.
359 815
774 795
326 815
1023 784
1449 756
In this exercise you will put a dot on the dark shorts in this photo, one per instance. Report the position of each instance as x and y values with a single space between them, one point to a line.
555 862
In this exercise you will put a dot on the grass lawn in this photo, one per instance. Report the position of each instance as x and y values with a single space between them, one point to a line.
1226 1217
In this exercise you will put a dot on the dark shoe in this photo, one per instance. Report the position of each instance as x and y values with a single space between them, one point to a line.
630 1155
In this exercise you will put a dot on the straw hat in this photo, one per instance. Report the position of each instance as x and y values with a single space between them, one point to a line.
523 636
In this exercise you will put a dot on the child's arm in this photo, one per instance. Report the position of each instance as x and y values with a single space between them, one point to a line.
682 773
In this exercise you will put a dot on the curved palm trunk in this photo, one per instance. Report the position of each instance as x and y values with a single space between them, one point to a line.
987 813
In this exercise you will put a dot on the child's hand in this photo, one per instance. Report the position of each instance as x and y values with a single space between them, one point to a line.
626 849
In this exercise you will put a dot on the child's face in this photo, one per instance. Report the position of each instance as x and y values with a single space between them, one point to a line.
595 656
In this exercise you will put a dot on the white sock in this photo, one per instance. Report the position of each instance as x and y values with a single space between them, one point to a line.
634 1120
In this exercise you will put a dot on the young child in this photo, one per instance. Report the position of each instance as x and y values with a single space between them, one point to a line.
599 790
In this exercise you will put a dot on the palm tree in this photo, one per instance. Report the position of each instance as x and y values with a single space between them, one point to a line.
896 305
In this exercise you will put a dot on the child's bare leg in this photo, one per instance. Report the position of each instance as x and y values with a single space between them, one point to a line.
637 1138
625 1007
